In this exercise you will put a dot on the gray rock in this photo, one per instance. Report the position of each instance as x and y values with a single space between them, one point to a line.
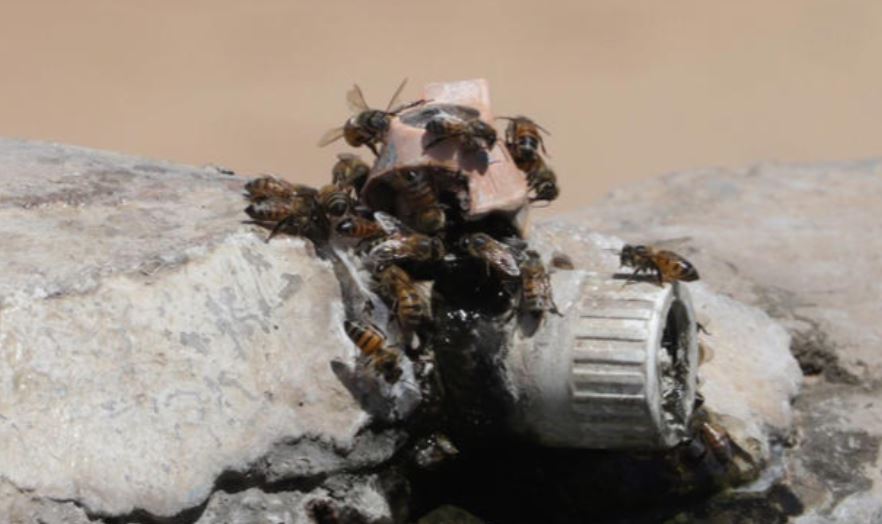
801 243
149 340
341 499
19 507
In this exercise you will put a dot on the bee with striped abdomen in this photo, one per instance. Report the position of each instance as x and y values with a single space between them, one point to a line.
536 295
301 216
334 199
494 253
426 214
410 305
524 142
403 244
360 228
366 126
372 344
667 265
350 171
290 208
269 186
474 135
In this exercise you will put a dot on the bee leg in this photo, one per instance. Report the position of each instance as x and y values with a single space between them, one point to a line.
436 141
373 149
634 277
553 307
278 227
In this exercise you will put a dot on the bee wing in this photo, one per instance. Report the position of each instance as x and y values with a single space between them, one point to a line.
355 100
302 190
268 186
387 251
540 128
394 100
270 209
331 135
499 256
390 224
669 243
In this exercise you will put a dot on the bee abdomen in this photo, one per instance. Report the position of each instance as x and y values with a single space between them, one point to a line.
268 210
367 339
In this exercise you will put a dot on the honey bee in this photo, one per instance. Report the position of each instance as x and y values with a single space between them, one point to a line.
536 296
427 214
366 126
667 265
711 448
474 135
298 216
543 183
334 199
350 171
717 439
494 253
403 244
372 344
524 141
292 207
360 228
410 306
270 186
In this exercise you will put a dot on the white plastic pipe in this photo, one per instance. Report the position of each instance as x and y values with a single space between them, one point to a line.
617 371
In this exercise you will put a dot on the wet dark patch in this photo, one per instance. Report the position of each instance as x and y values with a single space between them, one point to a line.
505 481
775 506
838 459
816 355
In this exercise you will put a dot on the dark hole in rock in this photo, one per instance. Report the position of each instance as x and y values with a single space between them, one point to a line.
674 368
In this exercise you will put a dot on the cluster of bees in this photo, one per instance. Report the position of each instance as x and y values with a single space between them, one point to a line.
394 251
397 250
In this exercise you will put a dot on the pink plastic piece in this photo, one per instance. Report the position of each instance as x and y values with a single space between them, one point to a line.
494 182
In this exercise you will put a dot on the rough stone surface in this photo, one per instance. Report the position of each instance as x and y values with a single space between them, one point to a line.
217 359
340 499
150 341
803 244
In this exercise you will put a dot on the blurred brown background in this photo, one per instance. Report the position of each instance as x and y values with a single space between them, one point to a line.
628 89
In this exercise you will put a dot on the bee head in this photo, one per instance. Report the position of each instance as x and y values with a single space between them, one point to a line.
435 126
547 190
628 255
431 219
473 242
532 258
390 370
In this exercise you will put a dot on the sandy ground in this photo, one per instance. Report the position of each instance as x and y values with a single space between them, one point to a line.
628 89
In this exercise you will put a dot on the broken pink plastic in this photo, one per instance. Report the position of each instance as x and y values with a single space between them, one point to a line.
494 182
